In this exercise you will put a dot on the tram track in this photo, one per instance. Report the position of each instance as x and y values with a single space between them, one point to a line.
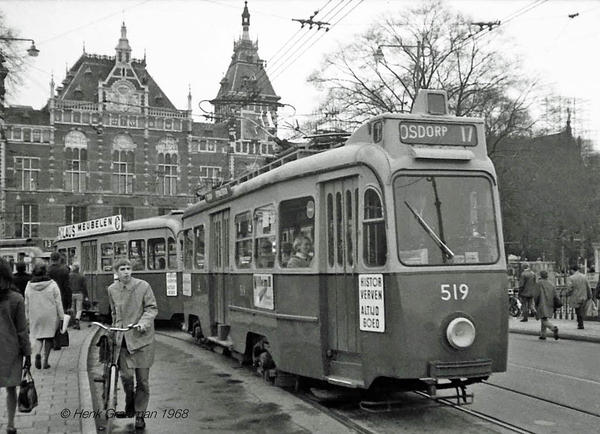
493 420
341 416
548 401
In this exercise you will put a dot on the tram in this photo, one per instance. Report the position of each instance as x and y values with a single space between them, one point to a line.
400 280
151 246
22 250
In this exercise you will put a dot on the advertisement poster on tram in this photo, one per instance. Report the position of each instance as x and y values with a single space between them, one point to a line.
371 303
263 291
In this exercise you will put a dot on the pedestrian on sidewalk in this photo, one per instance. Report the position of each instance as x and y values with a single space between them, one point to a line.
21 277
79 291
60 274
44 310
579 293
132 302
14 341
544 294
526 282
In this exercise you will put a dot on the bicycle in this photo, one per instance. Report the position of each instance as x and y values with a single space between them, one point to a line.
514 304
110 374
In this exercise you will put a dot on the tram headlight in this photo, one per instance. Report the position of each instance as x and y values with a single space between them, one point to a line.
460 333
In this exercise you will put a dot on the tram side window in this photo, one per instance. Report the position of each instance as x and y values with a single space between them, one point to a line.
374 241
157 251
107 256
297 232
120 250
137 257
199 247
264 227
188 249
243 240
172 253
71 255
89 255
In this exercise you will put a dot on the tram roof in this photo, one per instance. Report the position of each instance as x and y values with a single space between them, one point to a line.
171 220
336 158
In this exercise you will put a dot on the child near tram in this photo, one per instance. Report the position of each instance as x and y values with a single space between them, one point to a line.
544 294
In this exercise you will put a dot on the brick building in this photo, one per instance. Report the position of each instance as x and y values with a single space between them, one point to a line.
109 141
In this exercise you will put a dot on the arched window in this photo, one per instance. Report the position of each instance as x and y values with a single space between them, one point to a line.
123 152
374 241
167 166
76 162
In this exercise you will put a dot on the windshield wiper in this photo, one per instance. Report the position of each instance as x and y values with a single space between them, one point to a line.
445 249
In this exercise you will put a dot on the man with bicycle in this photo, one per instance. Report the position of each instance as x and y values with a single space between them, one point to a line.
132 302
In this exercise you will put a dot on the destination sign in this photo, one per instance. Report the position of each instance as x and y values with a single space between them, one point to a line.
220 193
434 133
91 227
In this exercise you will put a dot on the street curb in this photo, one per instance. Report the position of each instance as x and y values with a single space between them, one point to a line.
568 337
88 425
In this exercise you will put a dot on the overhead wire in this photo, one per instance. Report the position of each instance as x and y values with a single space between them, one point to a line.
92 22
294 48
298 55
293 56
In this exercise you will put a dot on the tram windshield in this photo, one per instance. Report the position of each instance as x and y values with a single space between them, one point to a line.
445 220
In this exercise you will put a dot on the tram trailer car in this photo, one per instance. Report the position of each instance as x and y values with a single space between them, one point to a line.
405 285
25 250
150 244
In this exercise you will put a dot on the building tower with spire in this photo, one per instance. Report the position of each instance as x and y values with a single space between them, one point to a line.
247 102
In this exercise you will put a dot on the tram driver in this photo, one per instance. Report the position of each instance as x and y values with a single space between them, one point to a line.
303 249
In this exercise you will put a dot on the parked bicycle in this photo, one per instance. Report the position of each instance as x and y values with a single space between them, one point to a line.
515 306
109 355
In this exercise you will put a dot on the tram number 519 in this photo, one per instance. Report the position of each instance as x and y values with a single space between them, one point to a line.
454 291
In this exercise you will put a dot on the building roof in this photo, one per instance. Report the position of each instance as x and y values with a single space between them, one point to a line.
81 81
246 76
26 115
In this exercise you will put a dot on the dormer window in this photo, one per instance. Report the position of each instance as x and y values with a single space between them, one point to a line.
88 71
78 93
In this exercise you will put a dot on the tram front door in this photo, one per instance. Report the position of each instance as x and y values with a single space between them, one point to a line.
219 265
341 211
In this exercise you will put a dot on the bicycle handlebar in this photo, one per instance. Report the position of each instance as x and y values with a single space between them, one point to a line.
115 329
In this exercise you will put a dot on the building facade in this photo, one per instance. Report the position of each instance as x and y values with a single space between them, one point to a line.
109 141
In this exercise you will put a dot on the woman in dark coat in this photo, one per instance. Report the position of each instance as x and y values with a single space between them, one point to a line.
14 341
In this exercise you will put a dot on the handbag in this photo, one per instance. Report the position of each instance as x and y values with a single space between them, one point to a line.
28 398
60 340
590 308
557 303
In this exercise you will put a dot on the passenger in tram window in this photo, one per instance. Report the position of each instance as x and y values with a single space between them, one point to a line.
303 250
286 253
161 264
265 258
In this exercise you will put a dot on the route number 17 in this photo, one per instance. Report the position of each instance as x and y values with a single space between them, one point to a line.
454 291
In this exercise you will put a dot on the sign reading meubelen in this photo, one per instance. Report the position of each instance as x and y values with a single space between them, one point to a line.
91 227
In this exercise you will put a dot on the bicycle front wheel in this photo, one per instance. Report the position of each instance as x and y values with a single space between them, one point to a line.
111 398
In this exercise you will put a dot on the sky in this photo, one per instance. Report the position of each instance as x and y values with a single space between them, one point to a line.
189 43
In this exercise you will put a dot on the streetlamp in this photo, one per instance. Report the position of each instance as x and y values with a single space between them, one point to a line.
33 52
379 57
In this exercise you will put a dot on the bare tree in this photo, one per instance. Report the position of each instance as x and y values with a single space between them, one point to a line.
431 47
12 54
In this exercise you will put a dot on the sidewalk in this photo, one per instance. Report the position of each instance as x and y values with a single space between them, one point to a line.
64 386
567 329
